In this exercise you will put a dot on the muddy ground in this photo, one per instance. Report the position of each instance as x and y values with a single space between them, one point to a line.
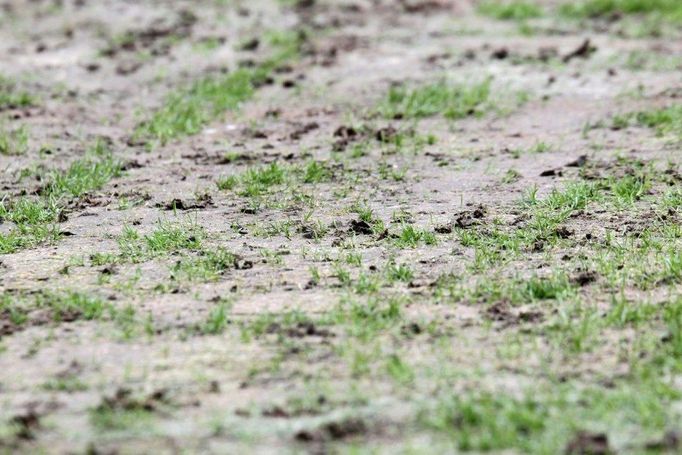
417 227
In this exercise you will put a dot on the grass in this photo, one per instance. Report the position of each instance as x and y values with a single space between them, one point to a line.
485 422
208 266
316 172
399 272
255 181
543 288
167 238
129 414
411 237
547 418
34 222
575 196
69 384
217 320
84 175
517 10
187 111
365 316
665 121
260 180
227 183
671 10
439 98
545 217
13 142
602 355
27 236
35 218
59 306
629 189
26 211
11 97
73 305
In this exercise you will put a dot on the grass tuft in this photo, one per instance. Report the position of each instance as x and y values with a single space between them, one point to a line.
440 98
671 10
11 98
516 10
84 175
13 142
186 112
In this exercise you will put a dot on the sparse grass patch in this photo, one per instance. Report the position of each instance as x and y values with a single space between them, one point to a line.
24 309
227 183
256 181
364 317
167 238
34 222
259 181
439 98
625 313
550 418
315 172
671 10
485 422
13 141
73 305
630 188
575 196
186 112
285 44
25 236
112 415
538 147
11 97
410 237
209 265
511 176
543 288
516 291
399 272
517 10
217 320
65 383
28 211
665 121
86 174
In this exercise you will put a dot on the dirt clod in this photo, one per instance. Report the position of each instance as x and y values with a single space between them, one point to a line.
360 227
587 443
583 51
335 430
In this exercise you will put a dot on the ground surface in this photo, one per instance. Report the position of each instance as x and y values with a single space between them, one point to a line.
340 226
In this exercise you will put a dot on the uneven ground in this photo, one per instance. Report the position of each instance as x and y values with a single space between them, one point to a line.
340 226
